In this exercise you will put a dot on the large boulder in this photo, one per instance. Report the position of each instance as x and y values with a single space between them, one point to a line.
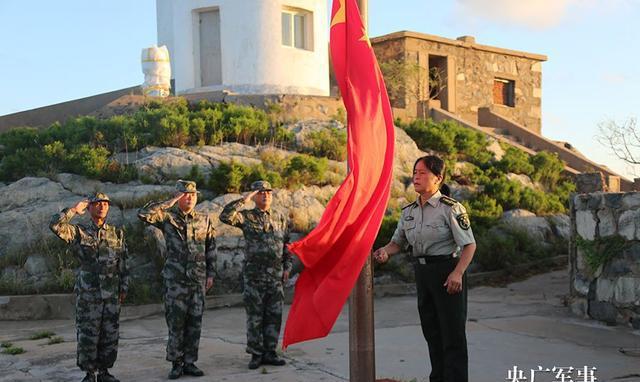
545 230
537 227
165 163
26 206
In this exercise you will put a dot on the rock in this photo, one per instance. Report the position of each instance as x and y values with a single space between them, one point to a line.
30 191
631 201
627 290
607 225
36 265
627 224
586 224
461 193
169 163
304 128
603 311
537 227
523 180
517 214
236 152
561 226
495 148
27 207
604 289
405 155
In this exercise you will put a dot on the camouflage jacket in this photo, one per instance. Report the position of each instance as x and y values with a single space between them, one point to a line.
265 234
190 239
102 253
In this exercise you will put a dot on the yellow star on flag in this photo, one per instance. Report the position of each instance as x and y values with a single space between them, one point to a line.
365 37
341 14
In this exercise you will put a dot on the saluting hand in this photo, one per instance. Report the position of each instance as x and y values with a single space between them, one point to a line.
248 195
81 207
454 282
380 256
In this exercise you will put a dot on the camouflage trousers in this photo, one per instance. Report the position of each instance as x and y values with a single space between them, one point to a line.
263 304
97 324
183 309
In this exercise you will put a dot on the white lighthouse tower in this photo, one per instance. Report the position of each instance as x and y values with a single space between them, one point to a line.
246 46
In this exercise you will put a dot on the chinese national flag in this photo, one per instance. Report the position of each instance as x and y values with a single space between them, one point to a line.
335 251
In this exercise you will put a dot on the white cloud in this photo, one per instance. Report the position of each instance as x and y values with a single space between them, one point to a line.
536 14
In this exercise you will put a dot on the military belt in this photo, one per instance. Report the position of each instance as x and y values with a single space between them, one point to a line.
422 260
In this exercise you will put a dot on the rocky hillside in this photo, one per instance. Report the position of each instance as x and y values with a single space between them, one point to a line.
33 260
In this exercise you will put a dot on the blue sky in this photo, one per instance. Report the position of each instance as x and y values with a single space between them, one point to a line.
54 51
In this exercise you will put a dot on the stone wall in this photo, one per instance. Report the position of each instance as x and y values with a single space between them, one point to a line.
472 69
604 257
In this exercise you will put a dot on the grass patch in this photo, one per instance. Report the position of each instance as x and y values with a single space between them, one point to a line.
6 345
13 350
55 340
42 334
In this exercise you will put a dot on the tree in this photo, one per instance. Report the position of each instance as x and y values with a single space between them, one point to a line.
406 80
623 140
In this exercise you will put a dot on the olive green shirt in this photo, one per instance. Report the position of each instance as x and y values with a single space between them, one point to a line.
438 228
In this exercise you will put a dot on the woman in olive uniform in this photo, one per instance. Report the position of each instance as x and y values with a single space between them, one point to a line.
436 227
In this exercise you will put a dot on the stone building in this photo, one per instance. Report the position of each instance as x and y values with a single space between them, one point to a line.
470 76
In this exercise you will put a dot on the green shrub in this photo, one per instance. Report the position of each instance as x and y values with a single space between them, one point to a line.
387 228
505 192
547 169
304 170
84 145
14 350
516 161
42 334
483 210
506 247
330 143
6 344
431 136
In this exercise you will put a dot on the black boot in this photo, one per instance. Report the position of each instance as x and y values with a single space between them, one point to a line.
256 360
176 370
90 377
271 358
191 369
104 376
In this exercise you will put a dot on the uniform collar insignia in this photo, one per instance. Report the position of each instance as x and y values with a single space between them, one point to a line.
434 200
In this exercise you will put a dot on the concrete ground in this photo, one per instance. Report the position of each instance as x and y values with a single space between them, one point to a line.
524 324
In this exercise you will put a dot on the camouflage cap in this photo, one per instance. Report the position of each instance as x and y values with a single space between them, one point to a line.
261 185
187 186
99 197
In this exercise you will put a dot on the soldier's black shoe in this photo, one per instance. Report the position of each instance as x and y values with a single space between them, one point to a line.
90 377
104 376
272 358
256 360
191 369
176 370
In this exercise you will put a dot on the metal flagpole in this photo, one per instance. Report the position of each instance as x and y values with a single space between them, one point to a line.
362 366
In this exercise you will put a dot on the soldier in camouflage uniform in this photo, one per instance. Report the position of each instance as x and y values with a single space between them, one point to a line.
267 265
101 283
187 273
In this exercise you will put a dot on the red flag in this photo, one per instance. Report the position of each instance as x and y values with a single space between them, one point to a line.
335 251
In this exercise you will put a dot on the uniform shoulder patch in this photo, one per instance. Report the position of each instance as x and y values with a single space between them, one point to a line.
408 205
463 221
448 200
